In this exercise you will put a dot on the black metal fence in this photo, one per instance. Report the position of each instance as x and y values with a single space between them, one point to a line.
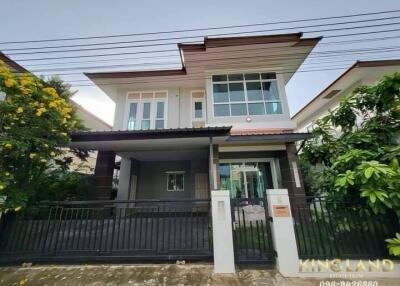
251 231
328 229
108 230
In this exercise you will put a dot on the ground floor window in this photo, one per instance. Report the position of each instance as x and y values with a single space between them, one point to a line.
175 181
246 179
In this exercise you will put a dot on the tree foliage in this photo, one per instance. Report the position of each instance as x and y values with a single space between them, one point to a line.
36 118
355 152
356 147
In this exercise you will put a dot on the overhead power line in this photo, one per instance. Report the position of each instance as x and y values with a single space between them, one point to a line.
201 29
333 43
260 53
175 50
217 35
8 50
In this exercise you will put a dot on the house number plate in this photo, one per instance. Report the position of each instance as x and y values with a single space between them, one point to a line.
281 210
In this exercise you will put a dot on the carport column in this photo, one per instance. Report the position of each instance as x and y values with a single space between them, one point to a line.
224 261
124 179
283 234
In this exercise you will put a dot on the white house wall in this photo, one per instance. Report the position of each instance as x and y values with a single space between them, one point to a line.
179 109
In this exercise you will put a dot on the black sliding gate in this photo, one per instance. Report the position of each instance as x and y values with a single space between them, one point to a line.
108 230
251 231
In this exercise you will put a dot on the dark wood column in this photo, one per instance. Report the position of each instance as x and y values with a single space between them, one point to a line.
292 179
103 175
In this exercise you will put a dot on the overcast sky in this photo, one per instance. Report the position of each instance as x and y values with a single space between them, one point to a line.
54 19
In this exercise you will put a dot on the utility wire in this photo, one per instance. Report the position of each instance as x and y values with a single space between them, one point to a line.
262 55
219 35
186 37
175 50
333 43
201 29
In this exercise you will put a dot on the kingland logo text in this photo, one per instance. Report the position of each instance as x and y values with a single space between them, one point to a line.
345 265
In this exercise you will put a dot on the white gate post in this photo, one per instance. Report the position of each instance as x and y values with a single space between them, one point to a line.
283 234
224 261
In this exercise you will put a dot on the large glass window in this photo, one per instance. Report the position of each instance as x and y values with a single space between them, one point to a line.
246 179
246 94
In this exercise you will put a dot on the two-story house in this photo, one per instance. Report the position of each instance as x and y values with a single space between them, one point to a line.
360 73
219 122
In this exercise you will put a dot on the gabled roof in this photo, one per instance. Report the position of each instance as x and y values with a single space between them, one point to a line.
350 70
81 109
16 67
208 43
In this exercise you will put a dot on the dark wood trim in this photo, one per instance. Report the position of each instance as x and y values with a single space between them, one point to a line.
11 63
307 42
251 40
102 75
149 134
283 137
381 63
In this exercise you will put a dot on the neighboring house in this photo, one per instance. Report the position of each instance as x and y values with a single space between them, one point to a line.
94 123
360 73
219 122
90 121
13 66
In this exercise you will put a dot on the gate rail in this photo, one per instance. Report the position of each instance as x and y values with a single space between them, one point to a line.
251 231
108 230
330 229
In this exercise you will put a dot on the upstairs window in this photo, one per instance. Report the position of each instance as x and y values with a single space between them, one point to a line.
246 94
146 110
198 106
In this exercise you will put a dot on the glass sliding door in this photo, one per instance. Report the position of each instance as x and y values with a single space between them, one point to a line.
146 114
247 179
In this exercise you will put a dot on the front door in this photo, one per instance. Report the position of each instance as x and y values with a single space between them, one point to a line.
247 178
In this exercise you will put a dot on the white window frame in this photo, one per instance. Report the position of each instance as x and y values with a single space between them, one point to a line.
153 108
247 102
255 160
176 173
197 99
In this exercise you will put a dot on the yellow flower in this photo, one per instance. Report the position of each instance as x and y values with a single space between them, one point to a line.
46 146
51 91
7 174
17 208
43 160
9 82
7 127
20 110
7 145
40 111
63 134
32 155
53 104
1 187
52 153
26 81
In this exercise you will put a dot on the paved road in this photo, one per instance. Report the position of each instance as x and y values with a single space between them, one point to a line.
138 275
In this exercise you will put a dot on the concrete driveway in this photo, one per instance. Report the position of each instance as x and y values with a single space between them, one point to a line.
160 274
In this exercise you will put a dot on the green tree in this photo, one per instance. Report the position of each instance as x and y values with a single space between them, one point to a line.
355 150
36 118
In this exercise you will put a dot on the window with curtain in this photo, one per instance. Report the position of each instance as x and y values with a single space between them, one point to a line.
246 94
146 110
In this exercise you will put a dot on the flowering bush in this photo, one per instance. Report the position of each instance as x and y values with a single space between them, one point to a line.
36 118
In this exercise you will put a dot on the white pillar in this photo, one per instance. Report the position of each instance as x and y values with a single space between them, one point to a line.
224 261
124 179
283 234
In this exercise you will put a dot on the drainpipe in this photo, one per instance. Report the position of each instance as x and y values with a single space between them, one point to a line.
211 166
